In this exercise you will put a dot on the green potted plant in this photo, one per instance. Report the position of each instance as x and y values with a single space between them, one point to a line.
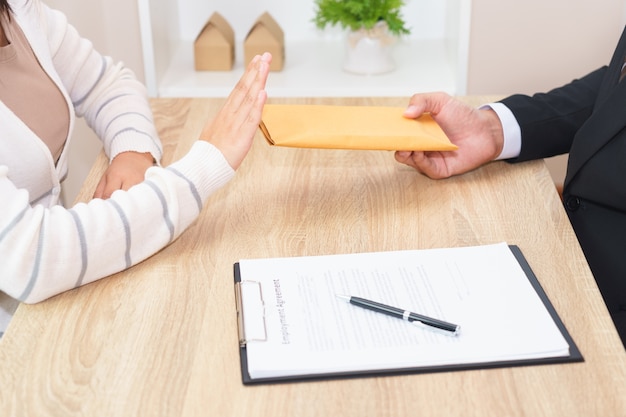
373 27
361 14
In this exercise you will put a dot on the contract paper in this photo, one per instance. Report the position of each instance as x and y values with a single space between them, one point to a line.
308 330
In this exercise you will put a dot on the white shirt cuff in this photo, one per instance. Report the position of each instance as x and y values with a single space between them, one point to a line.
511 130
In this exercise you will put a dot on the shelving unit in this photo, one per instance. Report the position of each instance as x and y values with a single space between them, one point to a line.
433 58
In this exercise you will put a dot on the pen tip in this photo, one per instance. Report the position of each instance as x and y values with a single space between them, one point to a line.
343 297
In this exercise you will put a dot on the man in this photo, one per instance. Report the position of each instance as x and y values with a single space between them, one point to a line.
586 118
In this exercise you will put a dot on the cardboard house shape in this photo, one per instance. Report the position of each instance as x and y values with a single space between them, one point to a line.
265 36
214 47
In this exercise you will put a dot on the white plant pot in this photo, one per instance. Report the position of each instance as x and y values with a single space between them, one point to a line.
369 52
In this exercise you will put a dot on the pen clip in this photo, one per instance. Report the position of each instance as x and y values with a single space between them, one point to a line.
435 329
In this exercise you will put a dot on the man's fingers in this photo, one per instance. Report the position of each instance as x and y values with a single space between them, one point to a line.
426 103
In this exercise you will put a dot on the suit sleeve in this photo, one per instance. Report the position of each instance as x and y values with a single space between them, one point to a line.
549 121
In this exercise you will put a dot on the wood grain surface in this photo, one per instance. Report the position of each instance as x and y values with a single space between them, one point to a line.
160 339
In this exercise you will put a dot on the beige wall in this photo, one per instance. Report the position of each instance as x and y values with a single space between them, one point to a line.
535 45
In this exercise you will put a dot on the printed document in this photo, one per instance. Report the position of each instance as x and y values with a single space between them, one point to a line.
296 324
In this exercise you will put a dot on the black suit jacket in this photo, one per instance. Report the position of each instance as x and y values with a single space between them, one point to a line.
587 118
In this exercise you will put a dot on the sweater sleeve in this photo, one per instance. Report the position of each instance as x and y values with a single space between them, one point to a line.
46 251
107 94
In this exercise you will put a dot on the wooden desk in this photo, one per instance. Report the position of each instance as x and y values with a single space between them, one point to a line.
161 339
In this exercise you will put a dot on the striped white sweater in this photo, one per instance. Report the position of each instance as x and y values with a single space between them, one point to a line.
45 248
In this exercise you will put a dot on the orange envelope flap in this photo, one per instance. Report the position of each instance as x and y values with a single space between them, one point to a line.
351 127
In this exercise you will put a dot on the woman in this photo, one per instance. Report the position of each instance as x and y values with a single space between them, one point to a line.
48 76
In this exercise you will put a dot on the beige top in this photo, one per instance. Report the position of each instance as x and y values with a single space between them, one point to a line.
29 92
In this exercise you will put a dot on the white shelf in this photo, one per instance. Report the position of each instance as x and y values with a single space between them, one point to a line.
313 69
434 58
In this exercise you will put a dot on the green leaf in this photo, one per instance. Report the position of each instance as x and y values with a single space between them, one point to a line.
356 14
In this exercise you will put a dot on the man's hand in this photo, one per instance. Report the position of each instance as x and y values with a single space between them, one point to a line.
125 170
477 133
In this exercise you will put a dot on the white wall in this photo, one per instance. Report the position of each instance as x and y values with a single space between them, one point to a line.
295 17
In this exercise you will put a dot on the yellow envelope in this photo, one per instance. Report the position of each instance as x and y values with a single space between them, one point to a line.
351 127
